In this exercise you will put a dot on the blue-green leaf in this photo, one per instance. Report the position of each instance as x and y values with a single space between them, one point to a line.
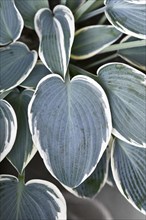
8 128
28 9
70 122
92 39
35 76
126 91
16 62
73 5
56 33
23 149
129 171
128 16
11 22
35 200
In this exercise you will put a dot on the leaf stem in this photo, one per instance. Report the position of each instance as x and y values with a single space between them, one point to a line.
21 177
124 45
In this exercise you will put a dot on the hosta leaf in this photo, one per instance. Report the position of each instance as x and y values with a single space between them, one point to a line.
8 128
126 91
92 39
56 33
28 9
71 125
129 171
11 22
127 16
16 62
95 182
135 56
35 200
35 76
23 149
73 5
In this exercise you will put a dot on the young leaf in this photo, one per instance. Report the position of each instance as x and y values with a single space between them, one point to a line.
11 22
125 88
70 122
23 149
92 39
35 76
56 34
35 200
127 16
28 9
8 128
135 56
16 62
129 169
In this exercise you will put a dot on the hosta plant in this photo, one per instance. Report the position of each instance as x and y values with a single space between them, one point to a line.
73 88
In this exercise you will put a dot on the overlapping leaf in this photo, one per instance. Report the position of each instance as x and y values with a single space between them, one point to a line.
92 39
11 22
126 91
16 62
73 5
35 76
28 9
35 200
129 171
71 125
56 32
8 128
23 149
135 56
128 16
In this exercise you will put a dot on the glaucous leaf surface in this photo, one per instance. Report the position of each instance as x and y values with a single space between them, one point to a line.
129 171
35 200
56 33
73 5
39 71
92 39
11 22
127 16
28 9
135 56
23 149
16 62
126 91
8 128
70 122
95 182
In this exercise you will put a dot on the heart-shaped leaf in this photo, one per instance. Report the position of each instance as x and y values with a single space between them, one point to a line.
16 62
56 33
71 125
8 128
28 9
35 76
129 171
35 200
23 149
135 56
95 182
128 16
92 39
125 88
11 22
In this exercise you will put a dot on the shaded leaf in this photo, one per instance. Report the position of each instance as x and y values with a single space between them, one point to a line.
56 32
71 125
23 149
128 16
126 91
28 9
16 62
11 22
129 169
73 5
8 128
92 39
35 200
